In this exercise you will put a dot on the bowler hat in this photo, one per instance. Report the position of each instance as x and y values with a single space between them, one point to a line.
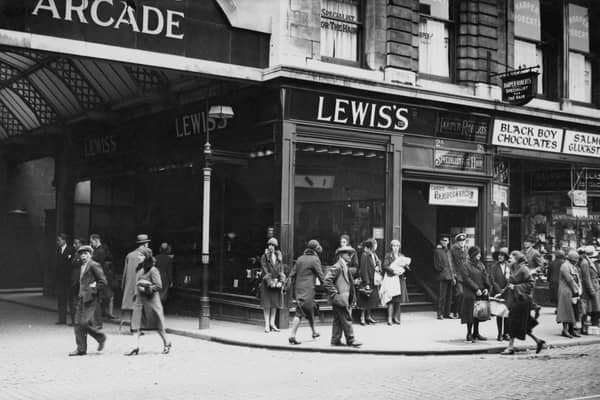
460 236
87 248
345 249
473 251
314 245
142 238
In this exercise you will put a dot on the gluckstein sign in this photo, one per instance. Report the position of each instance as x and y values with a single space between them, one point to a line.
460 196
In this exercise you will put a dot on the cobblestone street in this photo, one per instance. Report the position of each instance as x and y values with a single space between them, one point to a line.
34 365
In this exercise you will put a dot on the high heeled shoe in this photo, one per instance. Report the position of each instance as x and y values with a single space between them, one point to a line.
167 348
293 340
133 352
315 335
540 346
274 329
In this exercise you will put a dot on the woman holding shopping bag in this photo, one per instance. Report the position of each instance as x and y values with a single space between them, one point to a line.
393 288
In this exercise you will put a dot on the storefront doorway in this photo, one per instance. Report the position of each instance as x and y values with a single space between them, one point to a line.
423 223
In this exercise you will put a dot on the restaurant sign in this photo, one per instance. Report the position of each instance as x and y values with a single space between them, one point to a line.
460 196
527 136
519 89
458 160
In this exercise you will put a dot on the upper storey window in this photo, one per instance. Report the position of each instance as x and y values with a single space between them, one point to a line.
435 27
580 67
528 42
341 30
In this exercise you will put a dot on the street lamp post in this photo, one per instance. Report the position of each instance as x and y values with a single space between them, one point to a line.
216 113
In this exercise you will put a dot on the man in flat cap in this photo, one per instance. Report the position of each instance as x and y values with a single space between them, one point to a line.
442 262
133 259
91 281
459 258
339 285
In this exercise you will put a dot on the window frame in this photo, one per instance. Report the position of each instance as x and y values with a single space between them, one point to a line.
589 56
360 41
539 46
452 32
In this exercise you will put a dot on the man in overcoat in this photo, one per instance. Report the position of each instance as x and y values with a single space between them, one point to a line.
64 254
91 280
103 257
534 258
133 259
303 277
459 260
339 285
442 262
589 286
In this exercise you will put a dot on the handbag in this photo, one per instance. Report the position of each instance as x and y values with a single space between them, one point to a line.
481 310
498 308
145 287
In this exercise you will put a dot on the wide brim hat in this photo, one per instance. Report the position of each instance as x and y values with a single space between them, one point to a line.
345 249
87 248
142 238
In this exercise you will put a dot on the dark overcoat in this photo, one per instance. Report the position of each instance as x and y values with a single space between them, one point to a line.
498 279
442 262
474 278
339 285
369 263
63 270
271 270
568 286
589 285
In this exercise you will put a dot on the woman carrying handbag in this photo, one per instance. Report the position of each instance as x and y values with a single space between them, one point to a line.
476 285
272 285
370 275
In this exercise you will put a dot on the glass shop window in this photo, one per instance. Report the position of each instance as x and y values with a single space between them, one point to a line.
435 27
337 191
341 30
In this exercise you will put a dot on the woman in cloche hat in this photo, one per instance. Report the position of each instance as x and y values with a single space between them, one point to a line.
272 284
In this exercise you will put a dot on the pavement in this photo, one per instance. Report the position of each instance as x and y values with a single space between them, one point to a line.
420 333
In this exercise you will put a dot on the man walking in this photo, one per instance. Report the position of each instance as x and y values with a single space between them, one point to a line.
64 254
339 285
128 283
303 276
459 260
91 280
442 262
103 256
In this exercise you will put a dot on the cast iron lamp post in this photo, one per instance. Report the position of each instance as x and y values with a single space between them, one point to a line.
216 113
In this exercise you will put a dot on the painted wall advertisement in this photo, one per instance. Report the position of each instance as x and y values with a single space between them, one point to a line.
579 35
580 143
527 19
460 196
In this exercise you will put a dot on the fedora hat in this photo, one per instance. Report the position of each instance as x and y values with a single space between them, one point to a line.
142 238
87 248
345 249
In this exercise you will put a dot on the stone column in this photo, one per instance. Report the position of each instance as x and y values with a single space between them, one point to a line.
402 46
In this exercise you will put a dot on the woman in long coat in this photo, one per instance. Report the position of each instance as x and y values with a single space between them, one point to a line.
394 310
273 278
370 267
148 310
519 299
568 289
499 275
590 304
476 285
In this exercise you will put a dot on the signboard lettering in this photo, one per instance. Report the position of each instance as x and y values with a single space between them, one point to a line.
154 21
461 196
579 36
194 124
463 127
527 136
582 144
100 145
527 19
362 113
456 160
519 89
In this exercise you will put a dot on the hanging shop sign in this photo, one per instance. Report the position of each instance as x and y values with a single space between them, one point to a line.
519 89
193 124
458 160
582 144
463 127
460 196
578 198
527 136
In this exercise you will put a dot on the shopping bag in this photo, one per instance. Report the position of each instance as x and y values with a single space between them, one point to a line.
481 310
390 287
498 308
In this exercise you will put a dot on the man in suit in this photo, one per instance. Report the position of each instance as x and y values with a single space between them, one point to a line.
534 258
339 285
64 254
442 262
103 256
91 280
459 260
128 282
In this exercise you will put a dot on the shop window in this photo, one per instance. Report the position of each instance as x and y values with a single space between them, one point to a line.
580 69
337 191
435 27
528 46
341 30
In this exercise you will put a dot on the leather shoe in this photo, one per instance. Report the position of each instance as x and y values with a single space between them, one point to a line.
540 346
293 340
566 334
575 334
479 337
362 322
355 343
469 339
101 343
508 351
315 335
337 343
499 338
396 321
370 320
449 317
274 329
506 337
76 353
